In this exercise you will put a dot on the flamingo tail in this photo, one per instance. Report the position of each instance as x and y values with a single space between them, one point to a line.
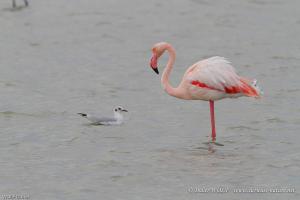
251 88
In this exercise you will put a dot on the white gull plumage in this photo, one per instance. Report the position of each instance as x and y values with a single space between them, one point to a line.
117 119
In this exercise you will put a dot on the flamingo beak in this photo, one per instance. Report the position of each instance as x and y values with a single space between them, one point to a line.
153 63
155 70
124 110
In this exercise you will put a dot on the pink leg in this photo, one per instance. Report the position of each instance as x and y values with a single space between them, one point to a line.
212 120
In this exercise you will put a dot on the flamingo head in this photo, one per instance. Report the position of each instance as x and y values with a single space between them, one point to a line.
157 50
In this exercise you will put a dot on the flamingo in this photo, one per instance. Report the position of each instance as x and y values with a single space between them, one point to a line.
210 79
15 5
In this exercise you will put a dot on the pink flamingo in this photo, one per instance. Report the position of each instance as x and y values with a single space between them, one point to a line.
209 80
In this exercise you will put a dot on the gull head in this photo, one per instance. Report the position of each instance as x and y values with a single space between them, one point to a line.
119 109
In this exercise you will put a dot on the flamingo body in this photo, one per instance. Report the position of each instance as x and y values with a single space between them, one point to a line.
210 80
214 79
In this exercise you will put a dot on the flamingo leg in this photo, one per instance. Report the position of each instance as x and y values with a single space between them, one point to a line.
26 2
212 120
14 3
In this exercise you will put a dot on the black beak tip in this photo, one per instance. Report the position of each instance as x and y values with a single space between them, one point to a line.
125 110
155 70
82 114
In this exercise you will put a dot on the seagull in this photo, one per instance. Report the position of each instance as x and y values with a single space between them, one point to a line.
117 119
15 5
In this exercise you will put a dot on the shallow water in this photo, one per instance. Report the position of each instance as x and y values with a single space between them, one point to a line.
58 58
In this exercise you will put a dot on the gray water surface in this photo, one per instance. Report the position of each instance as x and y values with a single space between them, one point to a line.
60 57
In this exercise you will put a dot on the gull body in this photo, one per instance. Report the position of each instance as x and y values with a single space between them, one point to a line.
117 118
209 80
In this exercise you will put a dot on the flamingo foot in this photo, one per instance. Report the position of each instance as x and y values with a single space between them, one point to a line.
213 142
210 148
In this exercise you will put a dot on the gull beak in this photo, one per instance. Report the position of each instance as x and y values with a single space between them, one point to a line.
124 110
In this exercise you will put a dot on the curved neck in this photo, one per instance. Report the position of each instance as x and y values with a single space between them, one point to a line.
167 71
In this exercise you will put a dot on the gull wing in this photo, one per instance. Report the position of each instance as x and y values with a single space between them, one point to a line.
100 120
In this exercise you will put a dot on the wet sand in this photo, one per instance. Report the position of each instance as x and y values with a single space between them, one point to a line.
60 57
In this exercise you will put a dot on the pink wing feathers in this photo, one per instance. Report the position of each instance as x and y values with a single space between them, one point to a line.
216 73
